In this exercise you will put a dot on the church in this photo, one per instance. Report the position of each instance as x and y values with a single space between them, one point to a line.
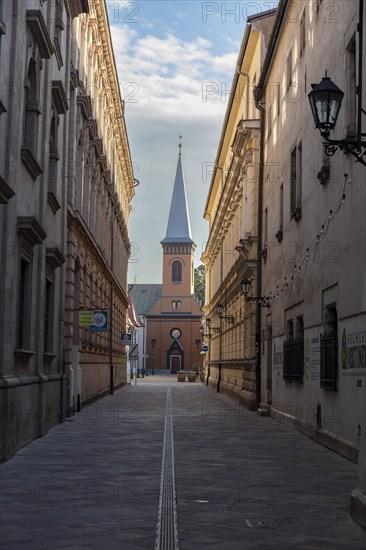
171 338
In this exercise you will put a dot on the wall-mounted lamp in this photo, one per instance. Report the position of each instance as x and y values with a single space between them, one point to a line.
210 327
228 318
325 102
153 343
263 301
198 343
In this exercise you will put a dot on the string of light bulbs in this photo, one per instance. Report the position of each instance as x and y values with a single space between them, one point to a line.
300 269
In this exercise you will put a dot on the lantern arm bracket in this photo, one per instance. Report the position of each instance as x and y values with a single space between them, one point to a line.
264 301
357 148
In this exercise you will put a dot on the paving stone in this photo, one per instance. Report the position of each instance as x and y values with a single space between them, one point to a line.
93 483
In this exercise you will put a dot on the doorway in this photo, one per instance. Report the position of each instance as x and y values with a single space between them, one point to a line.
175 363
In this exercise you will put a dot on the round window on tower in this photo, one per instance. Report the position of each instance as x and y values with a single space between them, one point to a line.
175 333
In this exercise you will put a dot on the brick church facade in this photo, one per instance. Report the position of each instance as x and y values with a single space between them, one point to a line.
172 333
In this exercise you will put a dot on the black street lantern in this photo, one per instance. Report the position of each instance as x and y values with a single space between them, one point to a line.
220 311
325 102
245 286
262 301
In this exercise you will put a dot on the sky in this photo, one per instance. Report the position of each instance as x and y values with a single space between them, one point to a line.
175 61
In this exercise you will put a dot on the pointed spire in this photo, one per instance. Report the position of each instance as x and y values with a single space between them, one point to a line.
179 227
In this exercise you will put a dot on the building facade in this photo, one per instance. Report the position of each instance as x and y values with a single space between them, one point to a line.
46 119
314 227
172 339
232 212
100 188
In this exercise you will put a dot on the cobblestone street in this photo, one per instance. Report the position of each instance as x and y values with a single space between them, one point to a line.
93 483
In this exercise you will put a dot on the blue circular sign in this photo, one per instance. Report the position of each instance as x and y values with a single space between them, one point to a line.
205 348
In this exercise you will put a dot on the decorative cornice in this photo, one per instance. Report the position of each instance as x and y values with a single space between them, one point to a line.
98 144
76 7
31 163
39 30
31 230
74 79
92 125
53 202
6 192
2 107
85 104
54 257
245 131
59 97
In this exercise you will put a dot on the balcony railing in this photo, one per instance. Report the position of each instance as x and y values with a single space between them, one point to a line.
293 361
329 362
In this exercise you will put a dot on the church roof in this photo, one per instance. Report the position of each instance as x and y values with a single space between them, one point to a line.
179 227
144 296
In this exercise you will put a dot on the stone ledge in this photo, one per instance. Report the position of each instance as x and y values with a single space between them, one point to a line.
358 507
6 193
334 442
31 163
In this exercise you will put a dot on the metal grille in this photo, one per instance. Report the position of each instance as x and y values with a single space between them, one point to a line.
283 522
293 361
167 523
329 361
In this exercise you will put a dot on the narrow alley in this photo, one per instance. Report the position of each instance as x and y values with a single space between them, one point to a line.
93 483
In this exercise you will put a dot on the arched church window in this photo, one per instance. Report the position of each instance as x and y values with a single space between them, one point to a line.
179 303
176 272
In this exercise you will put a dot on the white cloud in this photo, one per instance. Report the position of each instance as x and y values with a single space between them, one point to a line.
169 77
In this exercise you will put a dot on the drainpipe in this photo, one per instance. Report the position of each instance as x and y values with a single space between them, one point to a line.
257 97
241 73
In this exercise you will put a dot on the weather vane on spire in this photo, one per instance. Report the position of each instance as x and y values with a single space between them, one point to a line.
180 145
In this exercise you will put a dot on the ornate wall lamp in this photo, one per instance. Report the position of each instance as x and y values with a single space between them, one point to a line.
210 327
263 301
228 318
325 102
198 342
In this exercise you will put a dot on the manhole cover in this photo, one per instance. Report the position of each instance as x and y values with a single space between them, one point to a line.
283 522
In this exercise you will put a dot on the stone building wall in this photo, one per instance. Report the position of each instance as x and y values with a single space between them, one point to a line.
100 187
65 186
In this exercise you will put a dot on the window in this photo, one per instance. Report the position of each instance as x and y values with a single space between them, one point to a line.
32 109
23 304
176 305
270 120
48 319
59 27
176 272
52 162
302 33
299 176
265 243
295 182
351 95
289 71
318 4
329 351
293 352
279 234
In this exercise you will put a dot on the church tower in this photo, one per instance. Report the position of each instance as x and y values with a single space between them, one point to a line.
178 246
173 321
